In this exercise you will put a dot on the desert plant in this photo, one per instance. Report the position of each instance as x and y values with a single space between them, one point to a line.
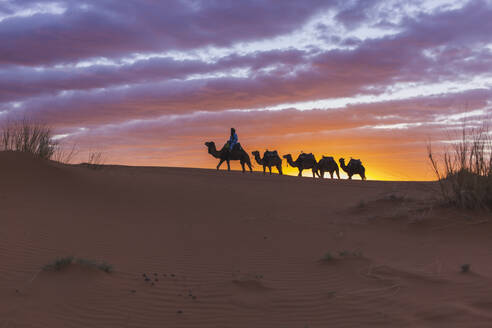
464 172
106 267
95 161
29 137
328 257
103 266
63 262
59 263
65 155
465 268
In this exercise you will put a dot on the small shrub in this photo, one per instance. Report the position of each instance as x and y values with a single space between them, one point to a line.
28 137
464 172
328 257
65 155
465 268
95 161
106 267
59 263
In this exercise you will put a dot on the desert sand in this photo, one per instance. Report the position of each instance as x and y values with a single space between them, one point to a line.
227 249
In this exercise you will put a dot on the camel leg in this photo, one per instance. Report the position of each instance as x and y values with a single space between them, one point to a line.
279 169
331 174
315 172
250 168
300 173
220 163
270 169
242 165
338 173
322 174
228 165
350 176
264 169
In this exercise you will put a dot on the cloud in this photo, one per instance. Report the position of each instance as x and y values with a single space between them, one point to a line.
18 82
114 28
158 86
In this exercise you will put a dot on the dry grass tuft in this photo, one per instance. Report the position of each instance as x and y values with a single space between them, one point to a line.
465 170
59 263
29 137
63 262
95 161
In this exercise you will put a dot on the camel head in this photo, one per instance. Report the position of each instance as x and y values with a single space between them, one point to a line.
211 148
342 160
257 157
210 144
288 157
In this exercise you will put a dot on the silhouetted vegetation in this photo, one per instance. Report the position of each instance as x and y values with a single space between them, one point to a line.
465 170
29 137
35 138
65 155
95 160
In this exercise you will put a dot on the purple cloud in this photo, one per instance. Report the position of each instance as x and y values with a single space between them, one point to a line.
113 28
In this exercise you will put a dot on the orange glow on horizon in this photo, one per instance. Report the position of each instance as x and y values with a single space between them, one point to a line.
385 168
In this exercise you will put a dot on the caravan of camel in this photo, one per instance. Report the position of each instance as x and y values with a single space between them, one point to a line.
304 161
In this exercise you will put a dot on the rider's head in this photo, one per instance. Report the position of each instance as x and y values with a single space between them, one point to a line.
233 131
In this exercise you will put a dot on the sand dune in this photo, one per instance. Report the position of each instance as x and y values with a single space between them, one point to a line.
226 249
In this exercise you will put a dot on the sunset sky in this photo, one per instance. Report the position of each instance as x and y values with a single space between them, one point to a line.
148 82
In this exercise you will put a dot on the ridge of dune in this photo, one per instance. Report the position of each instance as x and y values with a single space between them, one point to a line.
201 248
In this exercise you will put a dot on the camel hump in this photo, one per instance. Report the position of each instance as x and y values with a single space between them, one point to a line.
269 153
306 155
355 162
329 158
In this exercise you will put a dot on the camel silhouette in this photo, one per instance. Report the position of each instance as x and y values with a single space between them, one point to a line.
237 154
354 167
328 164
270 158
304 161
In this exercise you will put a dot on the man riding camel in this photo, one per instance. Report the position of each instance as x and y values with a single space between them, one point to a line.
233 141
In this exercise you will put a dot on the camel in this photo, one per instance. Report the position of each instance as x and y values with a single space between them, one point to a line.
354 167
328 164
237 154
304 161
270 158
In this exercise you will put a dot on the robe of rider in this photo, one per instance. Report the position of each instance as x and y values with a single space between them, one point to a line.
232 140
